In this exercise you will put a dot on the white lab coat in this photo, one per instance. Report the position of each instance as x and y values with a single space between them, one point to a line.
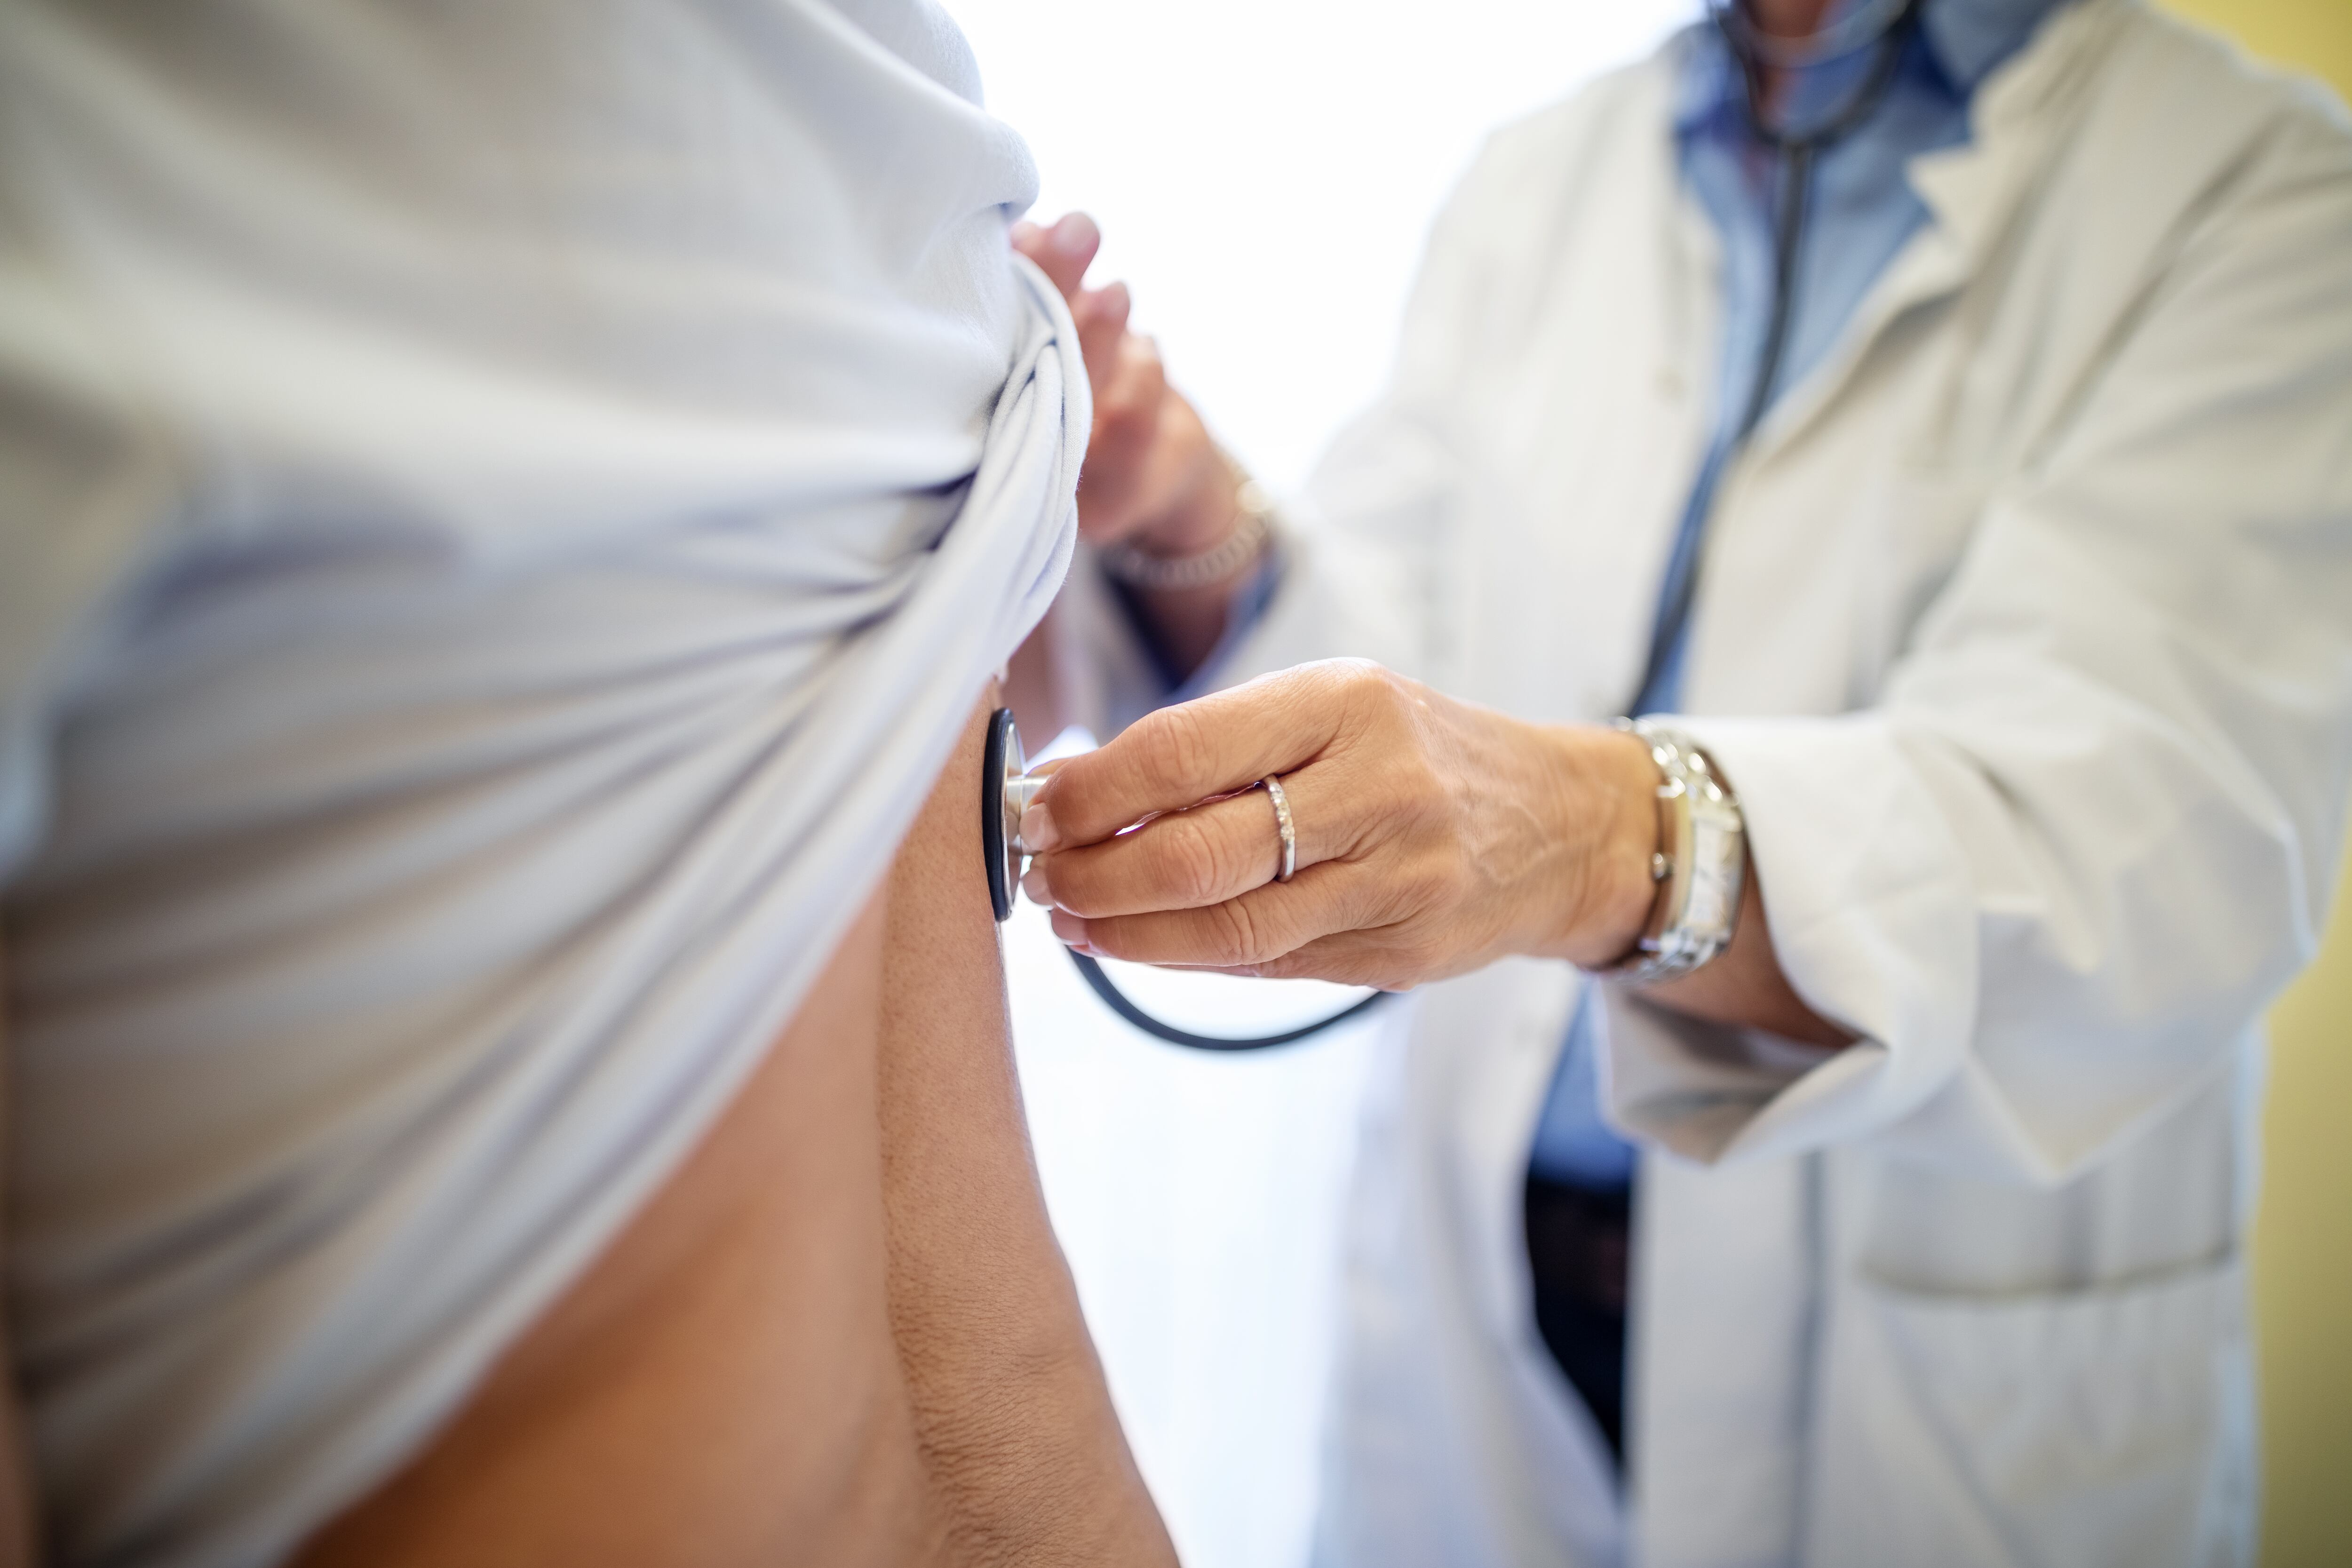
2025 636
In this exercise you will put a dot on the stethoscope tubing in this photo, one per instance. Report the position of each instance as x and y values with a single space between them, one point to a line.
1797 153
1001 764
1126 1008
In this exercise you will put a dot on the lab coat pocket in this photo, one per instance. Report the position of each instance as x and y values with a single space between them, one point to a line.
2082 1427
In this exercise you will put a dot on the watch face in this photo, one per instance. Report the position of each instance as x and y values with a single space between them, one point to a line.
1001 762
1715 877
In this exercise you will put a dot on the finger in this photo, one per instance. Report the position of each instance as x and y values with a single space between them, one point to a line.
1063 251
1130 392
1190 859
1176 756
1101 315
1256 929
1035 242
1124 481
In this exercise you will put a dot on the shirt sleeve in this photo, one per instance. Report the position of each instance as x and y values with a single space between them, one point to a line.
2090 831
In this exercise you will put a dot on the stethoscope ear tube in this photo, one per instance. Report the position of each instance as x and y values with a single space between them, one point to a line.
1002 777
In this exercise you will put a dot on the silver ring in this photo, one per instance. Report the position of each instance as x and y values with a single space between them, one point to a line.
1285 826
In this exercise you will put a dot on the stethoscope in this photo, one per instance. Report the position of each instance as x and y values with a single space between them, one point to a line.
1885 24
1006 788
1881 23
1006 785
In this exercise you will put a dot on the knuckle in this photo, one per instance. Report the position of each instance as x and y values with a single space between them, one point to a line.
1180 749
1369 681
1373 696
1428 887
1072 890
1236 935
1190 859
1111 938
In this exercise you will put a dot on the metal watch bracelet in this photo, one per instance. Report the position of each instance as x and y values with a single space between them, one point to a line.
1705 861
1253 526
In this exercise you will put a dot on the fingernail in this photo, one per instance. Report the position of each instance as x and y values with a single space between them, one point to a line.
1038 834
1033 884
1068 929
1075 233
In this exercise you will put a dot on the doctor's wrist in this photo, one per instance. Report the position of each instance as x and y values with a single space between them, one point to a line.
1606 813
1204 516
1181 572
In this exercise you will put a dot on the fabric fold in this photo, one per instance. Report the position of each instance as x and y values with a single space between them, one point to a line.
452 797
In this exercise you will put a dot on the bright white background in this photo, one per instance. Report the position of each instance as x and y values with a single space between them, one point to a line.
1263 171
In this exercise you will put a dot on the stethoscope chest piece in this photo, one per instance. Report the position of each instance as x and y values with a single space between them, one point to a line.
1005 789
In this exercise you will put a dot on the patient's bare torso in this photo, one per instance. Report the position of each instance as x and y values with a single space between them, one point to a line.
840 1333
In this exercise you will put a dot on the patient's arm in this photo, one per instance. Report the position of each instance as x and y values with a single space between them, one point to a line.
1017 1423
840 1333
16 1533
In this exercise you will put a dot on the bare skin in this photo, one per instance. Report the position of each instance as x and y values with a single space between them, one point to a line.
18 1530
803 1350
1790 19
842 1333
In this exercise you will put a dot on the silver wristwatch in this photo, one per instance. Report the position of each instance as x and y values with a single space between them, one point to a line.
1702 866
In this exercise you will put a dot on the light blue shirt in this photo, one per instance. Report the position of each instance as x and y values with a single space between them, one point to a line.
1861 212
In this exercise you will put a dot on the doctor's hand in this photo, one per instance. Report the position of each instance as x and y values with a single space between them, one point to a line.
1152 477
1434 835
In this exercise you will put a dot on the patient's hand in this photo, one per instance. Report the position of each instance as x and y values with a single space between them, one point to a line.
1152 477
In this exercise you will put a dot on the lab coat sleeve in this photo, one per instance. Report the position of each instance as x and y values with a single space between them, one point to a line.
2089 831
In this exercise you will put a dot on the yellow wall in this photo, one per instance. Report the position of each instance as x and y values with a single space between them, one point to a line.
2310 36
2303 1237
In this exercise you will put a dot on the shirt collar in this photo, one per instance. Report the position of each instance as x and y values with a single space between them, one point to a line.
1965 39
1969 37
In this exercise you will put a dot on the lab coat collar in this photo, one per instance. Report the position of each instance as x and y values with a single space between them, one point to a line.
1971 191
